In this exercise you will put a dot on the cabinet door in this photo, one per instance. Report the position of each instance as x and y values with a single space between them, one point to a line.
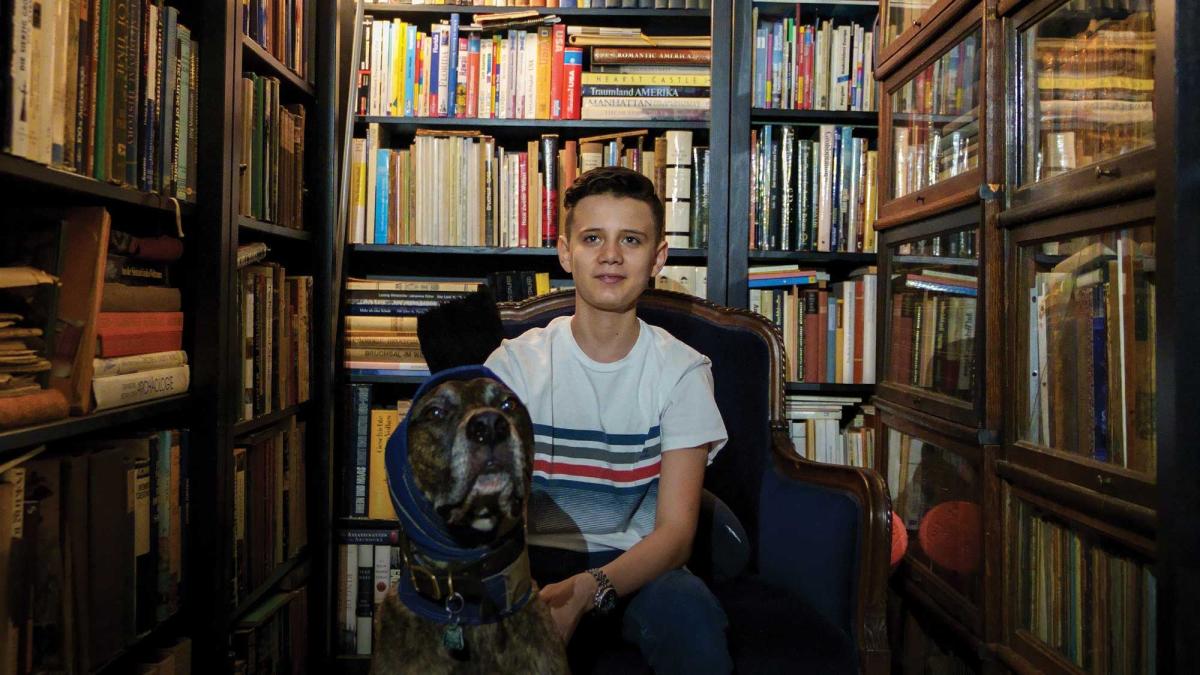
1082 73
1079 598
932 316
907 23
933 137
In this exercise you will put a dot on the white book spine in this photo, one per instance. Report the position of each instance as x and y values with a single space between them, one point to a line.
119 390
124 365
383 572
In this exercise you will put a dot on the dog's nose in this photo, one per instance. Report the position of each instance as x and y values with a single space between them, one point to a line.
488 428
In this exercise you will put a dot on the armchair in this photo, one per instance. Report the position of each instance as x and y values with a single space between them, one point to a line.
811 596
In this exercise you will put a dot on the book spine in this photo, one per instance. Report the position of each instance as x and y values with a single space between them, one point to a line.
144 341
119 390
572 89
360 430
651 55
125 365
548 161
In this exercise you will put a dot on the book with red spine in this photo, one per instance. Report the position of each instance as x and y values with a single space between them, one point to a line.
523 199
557 74
472 77
572 89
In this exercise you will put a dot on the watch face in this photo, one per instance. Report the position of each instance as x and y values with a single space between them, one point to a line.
608 600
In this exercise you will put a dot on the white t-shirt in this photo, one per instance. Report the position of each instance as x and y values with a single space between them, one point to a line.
600 429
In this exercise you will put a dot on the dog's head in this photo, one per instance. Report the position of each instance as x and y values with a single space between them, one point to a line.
470 445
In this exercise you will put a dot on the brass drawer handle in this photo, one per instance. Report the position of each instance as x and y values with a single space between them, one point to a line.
1111 172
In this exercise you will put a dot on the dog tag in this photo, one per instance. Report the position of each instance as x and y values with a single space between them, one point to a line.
452 637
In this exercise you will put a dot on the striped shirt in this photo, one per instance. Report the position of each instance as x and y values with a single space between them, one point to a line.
601 428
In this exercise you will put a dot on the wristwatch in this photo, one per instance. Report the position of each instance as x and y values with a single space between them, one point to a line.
605 599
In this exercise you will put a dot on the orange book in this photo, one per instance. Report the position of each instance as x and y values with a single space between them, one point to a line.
568 168
557 71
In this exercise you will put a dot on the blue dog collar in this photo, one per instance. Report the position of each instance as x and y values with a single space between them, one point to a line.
427 540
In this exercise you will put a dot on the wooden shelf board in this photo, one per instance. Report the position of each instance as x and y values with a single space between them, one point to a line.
267 586
935 260
830 258
837 388
163 628
273 230
275 67
69 427
814 117
387 9
263 421
12 167
533 126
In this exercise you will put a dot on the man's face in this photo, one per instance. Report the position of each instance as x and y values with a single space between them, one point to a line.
611 252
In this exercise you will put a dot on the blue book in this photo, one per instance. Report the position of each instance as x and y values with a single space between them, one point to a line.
778 282
452 83
410 63
435 56
382 184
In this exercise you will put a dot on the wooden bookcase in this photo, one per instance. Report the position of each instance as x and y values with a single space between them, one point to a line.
1066 458
212 231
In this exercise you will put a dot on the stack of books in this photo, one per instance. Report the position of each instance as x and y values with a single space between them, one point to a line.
635 76
106 90
369 565
23 400
816 429
381 322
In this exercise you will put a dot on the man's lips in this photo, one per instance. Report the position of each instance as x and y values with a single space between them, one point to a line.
610 278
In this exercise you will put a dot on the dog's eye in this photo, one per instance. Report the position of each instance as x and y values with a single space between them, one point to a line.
508 404
436 413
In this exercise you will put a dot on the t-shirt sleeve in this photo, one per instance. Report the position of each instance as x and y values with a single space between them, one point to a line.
691 418
505 365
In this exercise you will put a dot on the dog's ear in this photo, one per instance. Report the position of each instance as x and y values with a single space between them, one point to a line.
460 332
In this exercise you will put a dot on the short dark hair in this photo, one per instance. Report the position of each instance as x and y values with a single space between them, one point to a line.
617 181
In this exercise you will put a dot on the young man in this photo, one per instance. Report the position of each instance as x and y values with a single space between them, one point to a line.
625 423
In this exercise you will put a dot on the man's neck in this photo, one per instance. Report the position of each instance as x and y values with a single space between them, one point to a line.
604 336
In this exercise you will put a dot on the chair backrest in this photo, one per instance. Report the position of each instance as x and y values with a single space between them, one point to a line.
747 363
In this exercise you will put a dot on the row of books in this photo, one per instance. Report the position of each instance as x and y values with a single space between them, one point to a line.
821 66
370 424
273 637
828 329
369 565
462 189
1095 88
456 70
91 546
1092 606
274 324
1091 350
935 133
283 28
832 429
105 89
269 505
932 345
812 194
960 247
271 178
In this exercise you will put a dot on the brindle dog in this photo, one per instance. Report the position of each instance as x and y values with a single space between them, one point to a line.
470 448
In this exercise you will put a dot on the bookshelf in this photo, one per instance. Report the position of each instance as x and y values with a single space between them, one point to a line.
1056 479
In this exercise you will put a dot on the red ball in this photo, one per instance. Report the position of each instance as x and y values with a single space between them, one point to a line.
951 535
899 540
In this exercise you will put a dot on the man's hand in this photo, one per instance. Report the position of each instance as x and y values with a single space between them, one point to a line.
568 601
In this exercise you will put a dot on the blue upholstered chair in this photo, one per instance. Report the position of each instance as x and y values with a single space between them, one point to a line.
808 593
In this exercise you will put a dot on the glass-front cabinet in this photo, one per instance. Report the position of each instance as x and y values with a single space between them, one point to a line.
932 316
1077 596
937 487
908 22
1083 78
933 125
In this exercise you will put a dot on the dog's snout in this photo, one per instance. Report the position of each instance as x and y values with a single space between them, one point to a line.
488 428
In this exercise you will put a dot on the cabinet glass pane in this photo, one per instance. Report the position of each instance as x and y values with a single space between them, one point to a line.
1089 346
935 120
934 288
902 15
936 493
1089 85
1093 606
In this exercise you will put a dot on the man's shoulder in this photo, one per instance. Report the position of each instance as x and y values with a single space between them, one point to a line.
673 350
536 340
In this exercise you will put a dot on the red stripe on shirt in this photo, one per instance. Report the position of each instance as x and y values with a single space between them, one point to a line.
561 469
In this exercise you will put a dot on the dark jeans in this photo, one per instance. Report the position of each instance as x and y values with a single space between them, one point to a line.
674 620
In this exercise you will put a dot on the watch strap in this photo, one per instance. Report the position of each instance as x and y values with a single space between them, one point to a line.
603 586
